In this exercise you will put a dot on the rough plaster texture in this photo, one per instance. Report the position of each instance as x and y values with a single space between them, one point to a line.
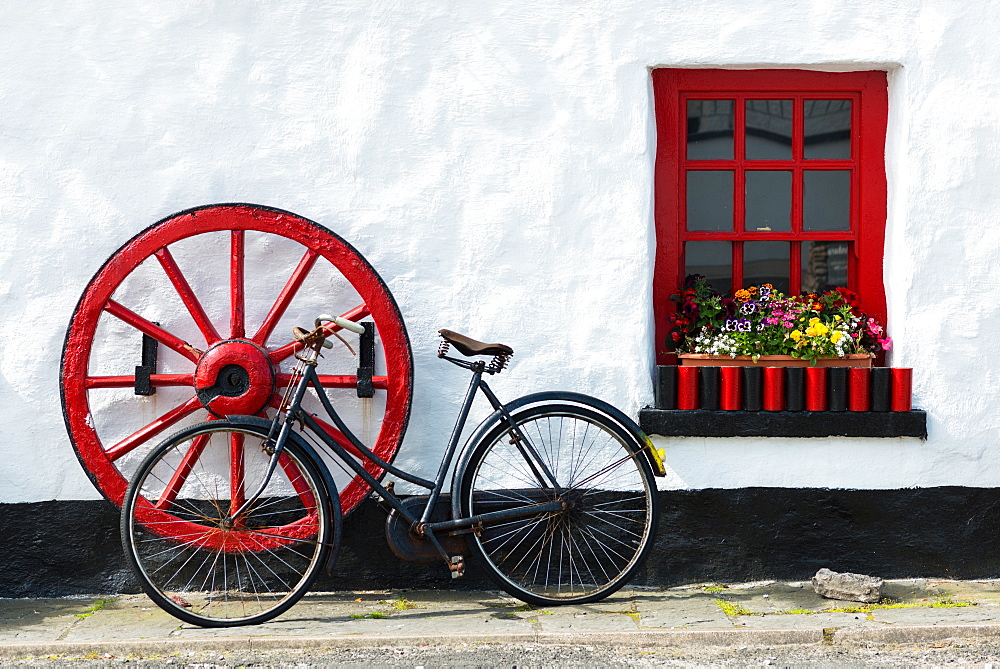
494 162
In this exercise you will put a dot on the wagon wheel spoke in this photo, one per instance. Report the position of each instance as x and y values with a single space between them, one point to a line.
155 331
155 380
285 297
236 277
237 472
286 351
338 381
129 443
187 296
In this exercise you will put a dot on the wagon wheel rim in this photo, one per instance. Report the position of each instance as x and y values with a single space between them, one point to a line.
240 339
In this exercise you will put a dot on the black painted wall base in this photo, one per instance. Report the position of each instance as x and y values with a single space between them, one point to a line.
64 548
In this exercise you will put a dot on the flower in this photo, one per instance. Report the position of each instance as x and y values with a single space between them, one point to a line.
759 320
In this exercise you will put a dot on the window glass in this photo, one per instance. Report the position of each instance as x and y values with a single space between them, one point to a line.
824 265
769 129
768 201
827 129
826 200
710 129
766 262
710 200
714 260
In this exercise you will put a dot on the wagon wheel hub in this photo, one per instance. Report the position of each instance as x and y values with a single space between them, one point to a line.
234 376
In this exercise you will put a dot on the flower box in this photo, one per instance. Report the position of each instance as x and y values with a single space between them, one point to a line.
706 360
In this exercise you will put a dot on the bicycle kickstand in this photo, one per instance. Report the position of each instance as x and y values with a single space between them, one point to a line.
455 563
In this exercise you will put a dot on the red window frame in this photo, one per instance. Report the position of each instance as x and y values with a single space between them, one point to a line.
868 92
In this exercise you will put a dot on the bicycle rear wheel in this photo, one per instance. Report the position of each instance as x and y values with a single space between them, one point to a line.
204 568
593 546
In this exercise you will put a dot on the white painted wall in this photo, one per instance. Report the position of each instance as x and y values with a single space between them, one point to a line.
494 162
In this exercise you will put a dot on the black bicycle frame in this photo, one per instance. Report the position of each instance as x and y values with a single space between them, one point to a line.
423 524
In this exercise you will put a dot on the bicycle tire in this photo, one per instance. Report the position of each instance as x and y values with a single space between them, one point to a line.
584 552
205 570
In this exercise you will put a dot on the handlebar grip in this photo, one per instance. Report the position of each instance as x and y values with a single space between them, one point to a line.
340 322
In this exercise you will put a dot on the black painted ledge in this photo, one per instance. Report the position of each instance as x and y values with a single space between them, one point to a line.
707 423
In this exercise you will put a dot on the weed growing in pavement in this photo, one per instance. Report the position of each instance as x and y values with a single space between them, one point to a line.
734 609
95 607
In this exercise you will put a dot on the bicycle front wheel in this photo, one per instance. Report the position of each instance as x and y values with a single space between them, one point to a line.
206 568
596 542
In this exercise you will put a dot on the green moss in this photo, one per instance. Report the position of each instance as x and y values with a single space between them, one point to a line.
95 607
734 609
944 602
401 604
374 614
714 587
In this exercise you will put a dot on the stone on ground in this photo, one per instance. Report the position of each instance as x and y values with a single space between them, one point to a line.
847 586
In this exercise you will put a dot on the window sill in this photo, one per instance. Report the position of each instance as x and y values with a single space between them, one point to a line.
707 423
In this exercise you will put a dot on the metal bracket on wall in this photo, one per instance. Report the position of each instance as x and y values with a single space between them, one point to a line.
366 360
143 384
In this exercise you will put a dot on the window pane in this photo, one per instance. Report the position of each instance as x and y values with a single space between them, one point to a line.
769 201
714 260
710 201
824 265
766 262
769 129
826 200
710 129
827 129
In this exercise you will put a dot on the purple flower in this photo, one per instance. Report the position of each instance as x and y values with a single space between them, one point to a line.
730 325
743 325
748 308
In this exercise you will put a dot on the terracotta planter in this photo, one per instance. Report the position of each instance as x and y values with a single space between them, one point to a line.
706 360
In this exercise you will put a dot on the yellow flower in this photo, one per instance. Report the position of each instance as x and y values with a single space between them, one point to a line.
817 330
795 335
836 336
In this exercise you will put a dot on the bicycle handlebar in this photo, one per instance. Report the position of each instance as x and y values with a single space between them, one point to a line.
340 322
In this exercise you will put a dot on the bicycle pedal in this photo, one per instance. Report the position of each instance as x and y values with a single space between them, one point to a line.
457 566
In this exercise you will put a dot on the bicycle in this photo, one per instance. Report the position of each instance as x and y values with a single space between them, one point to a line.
229 522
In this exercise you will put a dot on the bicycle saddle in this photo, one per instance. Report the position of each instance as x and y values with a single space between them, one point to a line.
470 347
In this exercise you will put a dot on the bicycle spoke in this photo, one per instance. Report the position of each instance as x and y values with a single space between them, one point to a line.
169 493
228 573
590 548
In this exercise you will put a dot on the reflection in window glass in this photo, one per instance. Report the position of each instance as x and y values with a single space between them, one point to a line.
826 200
710 129
824 265
766 262
710 200
769 129
827 129
714 260
768 201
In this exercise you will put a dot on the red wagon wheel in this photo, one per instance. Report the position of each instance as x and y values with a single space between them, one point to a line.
216 291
